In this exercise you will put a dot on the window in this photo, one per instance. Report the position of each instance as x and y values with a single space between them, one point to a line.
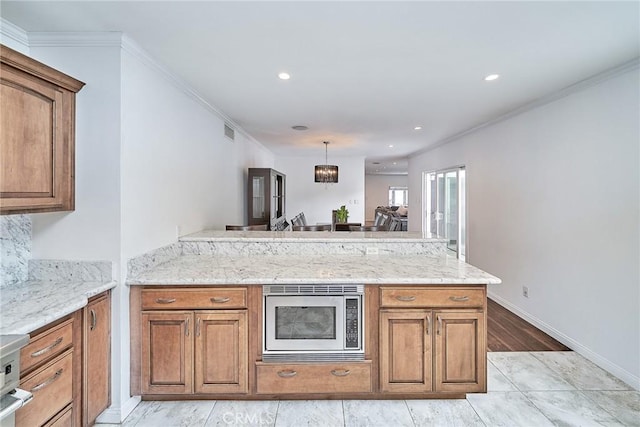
398 196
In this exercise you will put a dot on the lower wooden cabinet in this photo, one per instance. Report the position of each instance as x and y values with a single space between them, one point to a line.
221 345
432 350
52 388
96 357
63 419
406 340
420 342
167 352
186 352
66 366
279 378
460 351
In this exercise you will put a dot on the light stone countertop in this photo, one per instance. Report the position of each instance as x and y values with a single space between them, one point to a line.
292 269
27 306
309 236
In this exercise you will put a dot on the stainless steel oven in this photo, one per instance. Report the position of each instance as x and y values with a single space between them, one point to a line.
11 397
313 322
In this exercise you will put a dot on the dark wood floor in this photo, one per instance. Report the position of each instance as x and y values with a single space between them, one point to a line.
508 332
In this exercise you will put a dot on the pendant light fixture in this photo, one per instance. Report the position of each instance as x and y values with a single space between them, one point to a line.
326 173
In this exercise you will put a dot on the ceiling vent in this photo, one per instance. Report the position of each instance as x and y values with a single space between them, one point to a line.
229 132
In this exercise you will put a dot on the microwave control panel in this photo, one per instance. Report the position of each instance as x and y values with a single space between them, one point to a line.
352 340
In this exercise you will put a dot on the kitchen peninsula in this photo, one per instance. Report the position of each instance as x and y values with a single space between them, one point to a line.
398 317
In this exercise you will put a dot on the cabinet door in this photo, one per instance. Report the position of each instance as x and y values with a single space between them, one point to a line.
167 352
221 348
405 350
460 363
37 131
97 357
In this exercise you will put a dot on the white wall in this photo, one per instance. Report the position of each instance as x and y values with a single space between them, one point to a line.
377 191
150 156
553 204
318 200
178 168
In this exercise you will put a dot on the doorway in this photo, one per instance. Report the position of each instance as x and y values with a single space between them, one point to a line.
444 207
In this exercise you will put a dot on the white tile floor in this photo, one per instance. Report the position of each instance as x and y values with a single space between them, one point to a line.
525 389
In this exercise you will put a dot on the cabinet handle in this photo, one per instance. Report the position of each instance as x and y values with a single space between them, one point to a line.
459 299
165 300
340 372
287 374
198 327
428 325
439 325
220 300
47 382
94 320
47 348
405 298
186 327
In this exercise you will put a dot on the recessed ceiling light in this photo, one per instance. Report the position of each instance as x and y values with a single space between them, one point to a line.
417 128
390 145
492 77
299 127
284 76
395 163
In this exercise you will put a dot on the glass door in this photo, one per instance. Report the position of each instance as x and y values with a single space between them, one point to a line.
444 213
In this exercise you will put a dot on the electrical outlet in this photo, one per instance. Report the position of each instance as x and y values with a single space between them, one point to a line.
525 291
372 251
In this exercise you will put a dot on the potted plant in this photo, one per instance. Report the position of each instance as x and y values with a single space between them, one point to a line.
342 214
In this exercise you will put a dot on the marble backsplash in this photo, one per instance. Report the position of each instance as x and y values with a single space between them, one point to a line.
17 265
73 271
248 247
15 243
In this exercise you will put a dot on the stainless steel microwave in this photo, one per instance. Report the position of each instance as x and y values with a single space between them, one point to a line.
313 322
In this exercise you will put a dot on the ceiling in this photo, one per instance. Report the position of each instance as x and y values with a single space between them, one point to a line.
363 74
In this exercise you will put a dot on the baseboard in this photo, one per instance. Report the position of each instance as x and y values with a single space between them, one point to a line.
115 415
606 364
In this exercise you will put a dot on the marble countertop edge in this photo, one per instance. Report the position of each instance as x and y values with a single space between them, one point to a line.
314 281
30 305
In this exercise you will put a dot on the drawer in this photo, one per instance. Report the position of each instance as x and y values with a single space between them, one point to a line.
52 388
46 345
453 297
63 419
313 378
180 299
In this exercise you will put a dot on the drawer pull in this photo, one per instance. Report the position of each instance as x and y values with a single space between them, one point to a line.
287 374
94 320
405 298
165 300
220 300
47 348
459 299
47 382
340 372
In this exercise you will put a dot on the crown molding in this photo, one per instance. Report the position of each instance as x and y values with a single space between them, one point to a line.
562 93
12 31
121 40
132 48
75 39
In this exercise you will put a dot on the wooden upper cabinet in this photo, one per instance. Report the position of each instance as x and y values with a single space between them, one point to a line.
37 135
